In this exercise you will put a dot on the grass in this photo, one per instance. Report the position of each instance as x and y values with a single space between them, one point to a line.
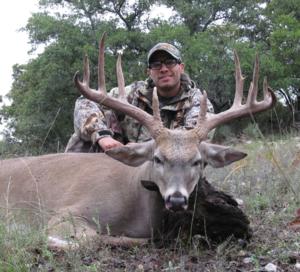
268 183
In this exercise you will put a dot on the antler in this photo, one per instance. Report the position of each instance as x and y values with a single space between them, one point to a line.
208 122
152 123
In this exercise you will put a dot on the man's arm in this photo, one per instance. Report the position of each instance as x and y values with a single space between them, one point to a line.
90 124
96 124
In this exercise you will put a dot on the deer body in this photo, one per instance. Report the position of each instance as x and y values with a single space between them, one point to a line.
101 191
101 194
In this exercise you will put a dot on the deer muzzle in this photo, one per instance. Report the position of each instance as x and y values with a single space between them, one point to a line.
176 202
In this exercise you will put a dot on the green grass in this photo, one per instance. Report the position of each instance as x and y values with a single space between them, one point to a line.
268 182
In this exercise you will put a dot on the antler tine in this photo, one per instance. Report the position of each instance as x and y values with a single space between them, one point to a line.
252 94
83 86
203 109
101 73
86 70
86 75
200 127
155 106
239 81
268 91
209 122
265 87
120 78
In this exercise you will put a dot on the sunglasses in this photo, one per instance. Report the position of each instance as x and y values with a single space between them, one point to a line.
169 63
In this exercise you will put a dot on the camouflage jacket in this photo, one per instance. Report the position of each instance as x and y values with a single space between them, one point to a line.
92 121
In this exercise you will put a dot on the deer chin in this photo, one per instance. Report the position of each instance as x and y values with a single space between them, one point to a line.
176 206
176 200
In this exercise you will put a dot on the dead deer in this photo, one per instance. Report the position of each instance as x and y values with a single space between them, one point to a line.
122 194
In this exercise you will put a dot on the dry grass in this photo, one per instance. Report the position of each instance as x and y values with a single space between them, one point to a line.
268 183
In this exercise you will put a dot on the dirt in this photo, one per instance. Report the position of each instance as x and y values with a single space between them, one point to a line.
267 245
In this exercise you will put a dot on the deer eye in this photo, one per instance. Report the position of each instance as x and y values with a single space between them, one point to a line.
158 160
197 163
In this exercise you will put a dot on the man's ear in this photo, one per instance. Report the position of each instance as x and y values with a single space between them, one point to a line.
218 155
133 154
182 67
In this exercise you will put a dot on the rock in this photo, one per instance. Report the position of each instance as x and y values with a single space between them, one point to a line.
247 260
297 266
271 267
239 201
242 253
140 267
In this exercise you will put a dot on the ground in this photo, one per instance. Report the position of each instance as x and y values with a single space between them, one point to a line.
267 186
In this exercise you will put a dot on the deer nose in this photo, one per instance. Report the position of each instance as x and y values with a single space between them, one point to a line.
176 202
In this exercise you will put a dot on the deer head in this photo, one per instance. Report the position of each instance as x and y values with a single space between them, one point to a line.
177 157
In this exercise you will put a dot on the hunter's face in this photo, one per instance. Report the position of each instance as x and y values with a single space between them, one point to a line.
165 72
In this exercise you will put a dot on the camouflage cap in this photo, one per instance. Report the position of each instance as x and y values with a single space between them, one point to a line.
169 48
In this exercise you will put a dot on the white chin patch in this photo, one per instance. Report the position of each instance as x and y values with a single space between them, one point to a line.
168 206
173 189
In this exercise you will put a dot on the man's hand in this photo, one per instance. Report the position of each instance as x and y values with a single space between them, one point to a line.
108 143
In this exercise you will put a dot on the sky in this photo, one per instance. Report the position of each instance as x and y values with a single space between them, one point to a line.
14 45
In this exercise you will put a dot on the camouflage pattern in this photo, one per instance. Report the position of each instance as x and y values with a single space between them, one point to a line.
179 112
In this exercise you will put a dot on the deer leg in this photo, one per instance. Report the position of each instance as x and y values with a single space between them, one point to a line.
69 232
122 241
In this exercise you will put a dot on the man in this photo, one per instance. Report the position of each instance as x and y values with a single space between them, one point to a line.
99 129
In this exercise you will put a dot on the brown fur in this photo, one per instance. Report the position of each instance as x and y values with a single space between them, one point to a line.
68 187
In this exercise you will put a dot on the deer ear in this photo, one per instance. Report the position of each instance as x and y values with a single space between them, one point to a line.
218 155
133 154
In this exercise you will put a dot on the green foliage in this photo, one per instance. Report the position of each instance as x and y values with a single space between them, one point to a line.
199 15
40 116
285 37
285 42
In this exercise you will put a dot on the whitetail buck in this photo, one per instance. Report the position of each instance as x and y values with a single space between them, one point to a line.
106 193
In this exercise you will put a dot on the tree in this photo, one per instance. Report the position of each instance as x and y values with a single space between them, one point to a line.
43 94
199 15
206 32
285 48
119 12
